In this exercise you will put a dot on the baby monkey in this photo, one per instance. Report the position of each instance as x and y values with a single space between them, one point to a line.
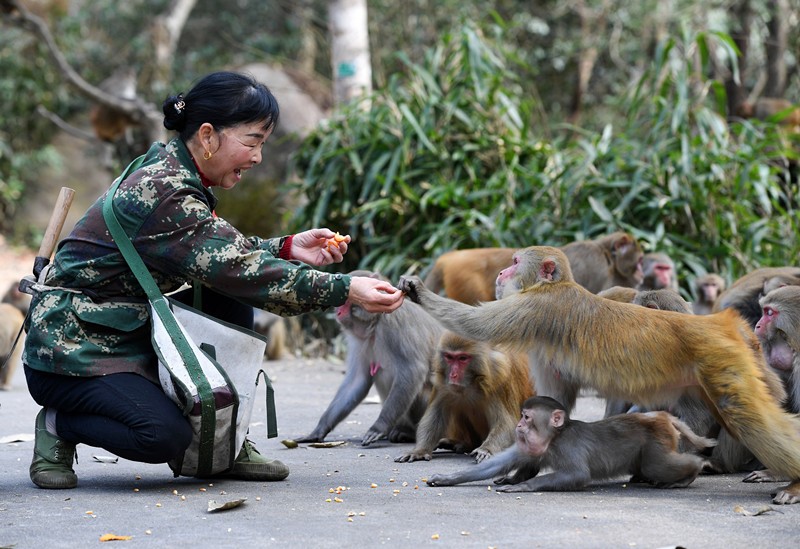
643 445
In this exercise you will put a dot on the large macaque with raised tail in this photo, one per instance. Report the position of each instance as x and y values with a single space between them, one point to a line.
577 453
392 351
647 356
469 275
477 392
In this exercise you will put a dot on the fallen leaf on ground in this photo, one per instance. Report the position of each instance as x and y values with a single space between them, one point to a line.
331 444
213 506
114 537
760 511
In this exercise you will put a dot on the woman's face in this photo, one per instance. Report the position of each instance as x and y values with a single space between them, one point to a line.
239 149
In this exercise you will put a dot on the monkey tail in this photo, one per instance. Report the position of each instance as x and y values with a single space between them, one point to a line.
701 443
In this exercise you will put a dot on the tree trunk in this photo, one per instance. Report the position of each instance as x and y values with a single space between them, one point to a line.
776 48
350 60
741 36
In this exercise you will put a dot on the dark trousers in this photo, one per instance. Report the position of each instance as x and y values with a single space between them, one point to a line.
125 413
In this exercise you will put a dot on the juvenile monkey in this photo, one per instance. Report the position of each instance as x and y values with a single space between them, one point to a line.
469 275
665 299
650 357
744 293
393 351
578 453
477 392
658 272
707 289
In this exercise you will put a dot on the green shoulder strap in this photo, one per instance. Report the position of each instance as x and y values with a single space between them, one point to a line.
160 306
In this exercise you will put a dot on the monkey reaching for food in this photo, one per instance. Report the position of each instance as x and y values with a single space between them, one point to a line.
647 356
642 445
477 392
392 351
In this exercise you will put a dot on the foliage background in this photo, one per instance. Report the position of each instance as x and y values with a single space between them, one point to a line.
471 140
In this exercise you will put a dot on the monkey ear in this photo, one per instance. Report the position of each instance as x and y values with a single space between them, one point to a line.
557 418
548 268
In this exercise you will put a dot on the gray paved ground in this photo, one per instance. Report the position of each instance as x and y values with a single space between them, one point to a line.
147 503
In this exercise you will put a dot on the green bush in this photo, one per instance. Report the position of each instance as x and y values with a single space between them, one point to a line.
447 157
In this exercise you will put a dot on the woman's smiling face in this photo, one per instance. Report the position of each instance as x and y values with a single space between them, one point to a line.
239 149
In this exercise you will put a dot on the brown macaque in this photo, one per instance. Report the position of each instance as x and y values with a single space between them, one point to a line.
778 330
395 353
477 392
11 320
469 275
744 293
611 260
765 108
578 453
707 289
659 272
650 357
110 124
665 300
273 327
20 300
779 281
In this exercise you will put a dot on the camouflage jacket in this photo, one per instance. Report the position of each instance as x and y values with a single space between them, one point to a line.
93 319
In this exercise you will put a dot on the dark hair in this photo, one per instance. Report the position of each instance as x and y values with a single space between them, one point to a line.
223 99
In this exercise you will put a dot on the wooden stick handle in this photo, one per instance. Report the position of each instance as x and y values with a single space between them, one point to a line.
57 219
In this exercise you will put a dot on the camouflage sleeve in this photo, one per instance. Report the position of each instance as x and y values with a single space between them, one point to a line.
183 237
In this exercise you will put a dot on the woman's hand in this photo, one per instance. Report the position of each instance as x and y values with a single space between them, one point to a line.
374 295
318 247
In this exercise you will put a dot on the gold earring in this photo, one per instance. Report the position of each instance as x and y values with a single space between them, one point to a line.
207 155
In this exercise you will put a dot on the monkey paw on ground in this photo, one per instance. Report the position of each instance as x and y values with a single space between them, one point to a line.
414 456
764 475
480 454
410 286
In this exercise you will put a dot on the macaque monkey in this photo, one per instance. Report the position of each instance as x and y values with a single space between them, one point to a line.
658 272
469 275
778 330
650 357
707 289
11 320
477 392
665 300
110 124
779 281
578 453
273 327
765 108
20 300
744 293
393 351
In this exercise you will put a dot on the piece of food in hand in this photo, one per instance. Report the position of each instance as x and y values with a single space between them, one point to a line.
334 242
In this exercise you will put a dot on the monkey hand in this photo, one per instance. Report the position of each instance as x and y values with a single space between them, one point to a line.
788 494
372 435
480 454
414 455
764 475
440 480
411 286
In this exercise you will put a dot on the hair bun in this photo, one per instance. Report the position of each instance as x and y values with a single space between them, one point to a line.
174 112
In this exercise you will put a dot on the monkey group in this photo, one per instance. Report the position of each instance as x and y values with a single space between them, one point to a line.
712 385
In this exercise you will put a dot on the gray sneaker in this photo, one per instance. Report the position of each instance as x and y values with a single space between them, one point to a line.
52 459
